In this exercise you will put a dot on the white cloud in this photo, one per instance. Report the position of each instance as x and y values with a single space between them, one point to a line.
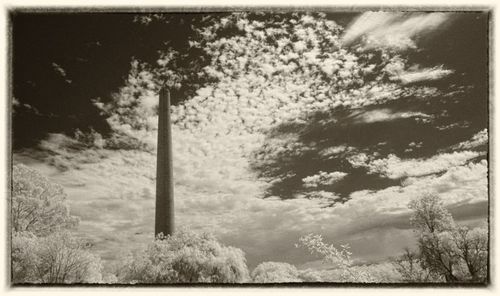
261 88
392 30
215 132
393 167
433 73
398 71
479 139
59 70
323 178
385 114
332 152
108 195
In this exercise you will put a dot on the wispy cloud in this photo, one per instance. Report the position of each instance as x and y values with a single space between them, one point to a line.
392 30
395 168
398 72
109 197
386 114
434 73
60 70
216 131
477 140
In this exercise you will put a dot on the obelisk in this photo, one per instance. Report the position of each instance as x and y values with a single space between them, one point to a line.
164 216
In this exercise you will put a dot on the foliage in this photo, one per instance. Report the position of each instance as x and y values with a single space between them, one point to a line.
447 251
471 246
410 266
186 257
344 269
429 214
38 205
384 272
280 272
310 275
275 272
56 258
341 258
42 249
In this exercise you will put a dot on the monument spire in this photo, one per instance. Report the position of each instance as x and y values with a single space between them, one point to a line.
164 216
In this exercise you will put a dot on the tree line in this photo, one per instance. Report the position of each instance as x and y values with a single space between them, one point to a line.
45 250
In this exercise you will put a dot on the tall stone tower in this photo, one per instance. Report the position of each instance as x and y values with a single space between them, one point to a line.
164 217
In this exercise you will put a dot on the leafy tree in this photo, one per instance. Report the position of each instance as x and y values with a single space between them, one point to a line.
429 214
472 248
311 275
186 257
409 265
275 272
42 249
344 268
340 257
56 258
454 253
280 272
383 272
38 205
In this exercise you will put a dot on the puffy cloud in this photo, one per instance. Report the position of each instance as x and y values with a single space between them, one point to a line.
392 30
331 152
477 140
258 86
109 197
323 178
395 168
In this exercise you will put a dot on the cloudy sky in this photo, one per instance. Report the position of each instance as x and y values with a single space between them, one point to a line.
283 124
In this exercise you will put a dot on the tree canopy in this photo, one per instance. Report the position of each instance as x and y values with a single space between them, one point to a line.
38 205
186 257
447 250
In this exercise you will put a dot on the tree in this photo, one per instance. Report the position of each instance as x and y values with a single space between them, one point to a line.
472 248
340 257
38 205
429 214
186 257
42 249
56 258
344 268
275 272
409 265
455 253
281 272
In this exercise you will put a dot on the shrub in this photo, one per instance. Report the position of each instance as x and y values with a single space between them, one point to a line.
275 272
186 257
56 258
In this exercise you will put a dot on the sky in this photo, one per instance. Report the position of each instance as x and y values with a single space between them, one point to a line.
283 124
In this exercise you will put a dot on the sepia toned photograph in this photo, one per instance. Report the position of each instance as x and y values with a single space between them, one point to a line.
249 147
